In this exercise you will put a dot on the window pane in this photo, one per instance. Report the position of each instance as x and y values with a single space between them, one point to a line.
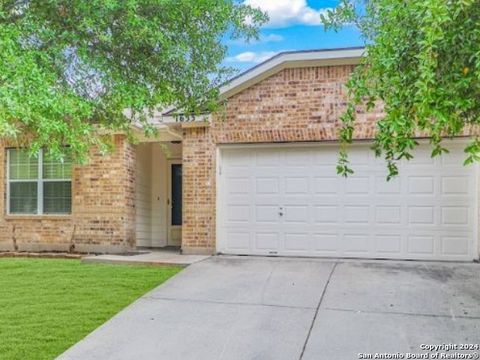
21 166
23 198
57 197
55 169
176 194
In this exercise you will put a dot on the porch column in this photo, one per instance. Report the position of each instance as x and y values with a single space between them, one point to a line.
198 229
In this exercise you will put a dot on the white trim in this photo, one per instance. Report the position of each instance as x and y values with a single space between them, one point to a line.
40 183
219 243
476 250
7 200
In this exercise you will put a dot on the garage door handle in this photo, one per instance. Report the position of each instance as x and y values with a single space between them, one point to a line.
280 213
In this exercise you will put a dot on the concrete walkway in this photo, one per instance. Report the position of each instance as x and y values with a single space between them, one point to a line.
147 257
275 308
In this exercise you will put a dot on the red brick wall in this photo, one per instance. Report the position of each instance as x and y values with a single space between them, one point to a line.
103 211
300 104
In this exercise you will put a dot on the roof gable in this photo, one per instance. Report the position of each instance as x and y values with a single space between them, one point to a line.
281 61
291 59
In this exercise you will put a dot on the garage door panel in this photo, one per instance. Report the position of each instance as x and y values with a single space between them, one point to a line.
358 185
455 245
326 185
455 216
358 156
297 157
456 185
388 244
325 158
238 240
268 157
267 185
388 214
421 156
326 243
392 187
421 185
297 241
267 240
289 201
422 245
238 196
424 215
356 214
327 214
238 186
356 244
297 185
295 214
266 214
454 157
238 214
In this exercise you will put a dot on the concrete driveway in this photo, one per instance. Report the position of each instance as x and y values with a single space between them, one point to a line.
277 308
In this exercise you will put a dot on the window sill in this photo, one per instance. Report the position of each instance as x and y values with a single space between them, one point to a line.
38 217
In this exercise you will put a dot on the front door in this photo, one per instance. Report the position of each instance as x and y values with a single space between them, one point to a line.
175 202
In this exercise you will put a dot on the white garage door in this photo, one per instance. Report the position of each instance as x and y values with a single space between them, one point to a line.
288 200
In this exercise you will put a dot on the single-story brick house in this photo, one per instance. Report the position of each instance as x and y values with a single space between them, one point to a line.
259 178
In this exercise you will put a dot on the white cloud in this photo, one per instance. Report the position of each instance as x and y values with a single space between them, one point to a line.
263 39
271 38
251 57
283 13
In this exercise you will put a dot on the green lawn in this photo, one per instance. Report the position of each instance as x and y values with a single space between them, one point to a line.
47 305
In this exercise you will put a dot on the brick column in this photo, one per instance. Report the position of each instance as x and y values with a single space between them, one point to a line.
198 228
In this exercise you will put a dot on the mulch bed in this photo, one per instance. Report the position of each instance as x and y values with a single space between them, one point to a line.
49 255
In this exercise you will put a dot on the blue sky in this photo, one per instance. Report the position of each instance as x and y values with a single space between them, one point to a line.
293 25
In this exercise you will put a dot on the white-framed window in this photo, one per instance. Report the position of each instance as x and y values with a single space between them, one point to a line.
39 184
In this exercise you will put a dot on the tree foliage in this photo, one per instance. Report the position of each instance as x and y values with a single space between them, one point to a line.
422 62
69 69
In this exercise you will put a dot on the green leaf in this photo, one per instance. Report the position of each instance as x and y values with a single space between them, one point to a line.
422 64
71 68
